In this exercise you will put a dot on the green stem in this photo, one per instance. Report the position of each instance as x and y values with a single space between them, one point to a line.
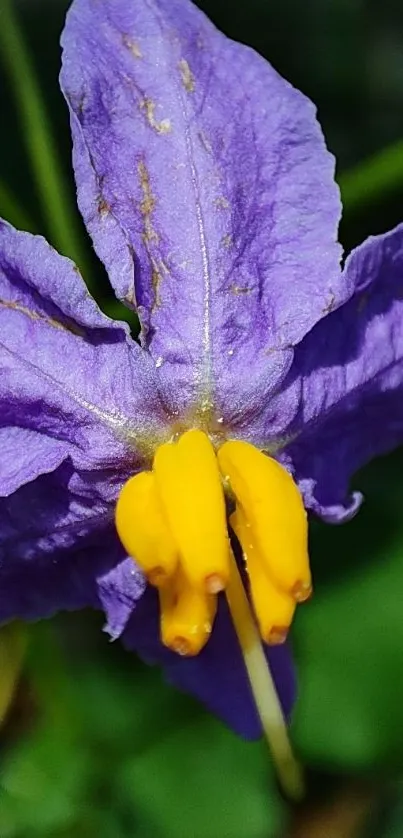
51 184
11 211
370 180
289 772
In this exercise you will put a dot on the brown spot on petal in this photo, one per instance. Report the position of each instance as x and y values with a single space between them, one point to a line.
132 46
148 203
221 202
330 305
150 236
186 76
227 241
35 315
237 290
103 207
161 127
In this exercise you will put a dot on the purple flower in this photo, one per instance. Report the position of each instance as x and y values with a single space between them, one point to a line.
206 187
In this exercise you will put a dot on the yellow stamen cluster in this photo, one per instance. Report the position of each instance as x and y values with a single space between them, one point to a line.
172 520
270 523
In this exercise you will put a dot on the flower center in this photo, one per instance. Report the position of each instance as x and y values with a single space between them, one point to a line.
172 521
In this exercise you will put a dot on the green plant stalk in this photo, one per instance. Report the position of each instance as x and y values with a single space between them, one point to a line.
60 215
370 180
11 210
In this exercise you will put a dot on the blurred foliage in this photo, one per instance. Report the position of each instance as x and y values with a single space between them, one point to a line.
349 641
95 744
111 751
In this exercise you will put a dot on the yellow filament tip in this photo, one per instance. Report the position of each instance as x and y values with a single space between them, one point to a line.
187 616
277 635
214 583
301 591
181 646
274 609
273 508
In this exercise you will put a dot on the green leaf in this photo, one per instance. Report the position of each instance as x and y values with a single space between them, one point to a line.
43 781
166 757
201 780
58 209
389 822
373 178
119 752
349 638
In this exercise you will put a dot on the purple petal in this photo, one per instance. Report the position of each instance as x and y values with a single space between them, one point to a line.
73 383
205 183
119 590
345 389
59 550
24 455
216 676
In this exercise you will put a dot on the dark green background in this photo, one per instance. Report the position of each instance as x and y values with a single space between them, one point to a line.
96 744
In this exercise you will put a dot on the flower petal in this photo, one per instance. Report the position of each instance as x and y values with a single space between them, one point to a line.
207 188
119 590
59 551
73 383
50 541
345 389
216 676
24 455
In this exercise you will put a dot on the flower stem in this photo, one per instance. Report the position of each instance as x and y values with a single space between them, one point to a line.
369 180
264 692
53 190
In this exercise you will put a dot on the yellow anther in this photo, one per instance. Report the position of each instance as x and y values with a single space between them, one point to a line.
187 616
274 609
143 529
189 485
173 522
273 508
